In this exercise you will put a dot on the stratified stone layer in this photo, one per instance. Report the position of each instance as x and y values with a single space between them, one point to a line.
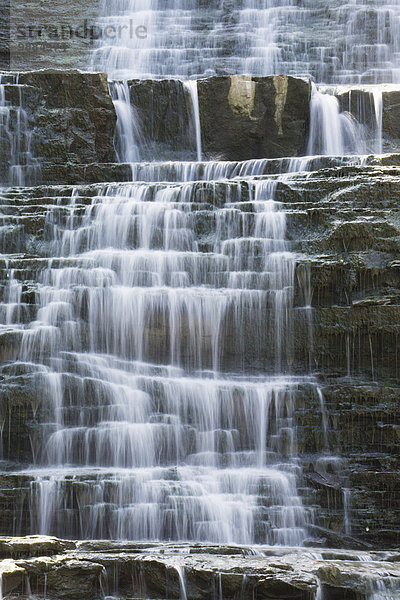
57 569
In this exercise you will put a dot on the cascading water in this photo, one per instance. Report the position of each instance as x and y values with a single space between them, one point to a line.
128 135
172 445
337 129
187 40
164 340
18 166
358 43
331 132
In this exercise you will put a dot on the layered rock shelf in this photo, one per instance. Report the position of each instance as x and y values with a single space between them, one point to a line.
70 121
342 223
333 424
200 300
57 569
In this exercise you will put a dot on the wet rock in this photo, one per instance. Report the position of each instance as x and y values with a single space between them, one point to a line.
199 572
343 225
391 118
252 117
241 117
12 576
34 545
164 111
71 115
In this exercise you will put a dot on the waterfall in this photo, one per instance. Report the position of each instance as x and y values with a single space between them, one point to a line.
359 43
19 167
331 131
191 85
175 445
339 130
162 336
155 41
182 581
346 510
127 130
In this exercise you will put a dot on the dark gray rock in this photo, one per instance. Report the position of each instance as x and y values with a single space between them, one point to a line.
74 120
254 117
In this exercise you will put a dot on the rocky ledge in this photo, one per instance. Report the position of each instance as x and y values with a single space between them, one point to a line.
71 119
57 569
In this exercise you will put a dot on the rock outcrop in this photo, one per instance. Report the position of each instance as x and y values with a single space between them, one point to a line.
241 117
254 117
71 120
54 118
72 114
55 569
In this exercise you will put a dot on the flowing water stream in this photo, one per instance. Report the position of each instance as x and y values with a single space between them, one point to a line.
17 166
164 339
158 426
355 42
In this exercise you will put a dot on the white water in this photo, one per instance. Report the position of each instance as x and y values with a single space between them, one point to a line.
15 135
335 131
171 444
191 85
188 40
127 131
182 581
346 510
358 43
164 354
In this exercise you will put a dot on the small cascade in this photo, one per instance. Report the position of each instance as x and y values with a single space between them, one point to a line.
303 273
12 310
191 85
331 132
365 104
384 588
182 581
127 135
319 594
18 167
324 417
345 121
378 105
346 510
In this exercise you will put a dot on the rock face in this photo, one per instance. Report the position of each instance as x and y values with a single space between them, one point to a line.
391 118
73 117
54 118
164 112
52 34
251 117
56 569
71 121
241 117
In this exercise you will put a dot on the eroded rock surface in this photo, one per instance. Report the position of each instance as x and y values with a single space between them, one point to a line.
249 117
90 570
